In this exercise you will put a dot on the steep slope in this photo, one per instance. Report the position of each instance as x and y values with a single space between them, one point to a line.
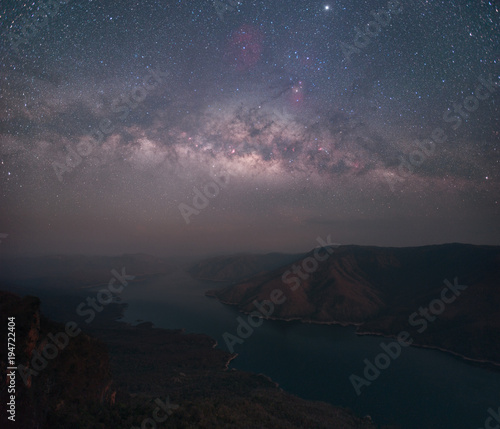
334 292
79 372
379 289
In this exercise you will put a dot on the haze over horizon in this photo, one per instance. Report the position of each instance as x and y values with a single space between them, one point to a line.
112 119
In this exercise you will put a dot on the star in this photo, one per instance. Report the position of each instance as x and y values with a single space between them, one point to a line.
143 119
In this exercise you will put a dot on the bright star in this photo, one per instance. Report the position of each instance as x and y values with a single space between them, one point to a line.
327 7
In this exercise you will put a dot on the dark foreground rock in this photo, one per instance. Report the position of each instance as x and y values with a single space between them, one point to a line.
119 376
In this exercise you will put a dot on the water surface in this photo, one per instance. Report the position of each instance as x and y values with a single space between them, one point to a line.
422 388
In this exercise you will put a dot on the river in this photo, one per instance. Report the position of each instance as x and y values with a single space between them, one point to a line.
422 388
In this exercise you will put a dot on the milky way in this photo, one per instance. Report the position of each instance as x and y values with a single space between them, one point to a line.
376 122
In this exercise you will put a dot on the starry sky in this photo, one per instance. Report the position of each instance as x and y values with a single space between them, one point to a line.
194 127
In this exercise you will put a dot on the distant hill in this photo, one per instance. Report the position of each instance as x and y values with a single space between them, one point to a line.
238 267
379 289
72 271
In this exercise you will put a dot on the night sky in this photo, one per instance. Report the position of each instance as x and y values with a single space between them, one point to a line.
116 118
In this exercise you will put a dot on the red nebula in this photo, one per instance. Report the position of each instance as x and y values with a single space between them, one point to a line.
245 47
296 96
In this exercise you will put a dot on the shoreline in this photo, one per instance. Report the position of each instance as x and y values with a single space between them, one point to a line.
494 366
483 362
150 325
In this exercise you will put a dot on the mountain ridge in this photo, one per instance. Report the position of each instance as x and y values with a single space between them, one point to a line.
378 289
